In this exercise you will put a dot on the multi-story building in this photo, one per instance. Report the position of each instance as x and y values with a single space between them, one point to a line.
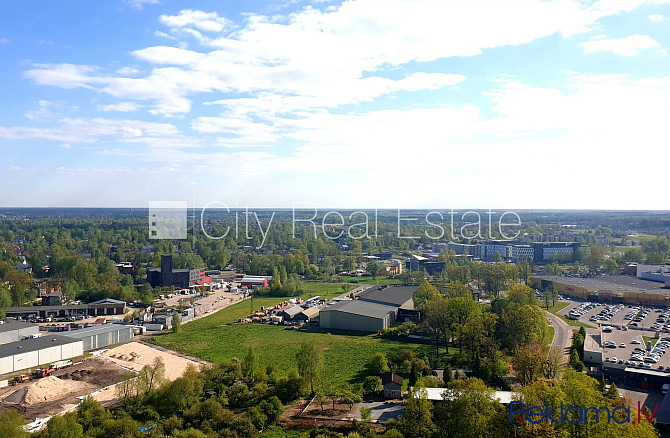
165 276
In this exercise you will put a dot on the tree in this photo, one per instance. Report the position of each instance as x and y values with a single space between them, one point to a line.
471 396
523 324
10 425
176 322
437 320
524 271
153 376
610 266
550 294
613 392
63 426
5 300
417 420
310 362
521 294
249 363
377 365
424 293
372 384
373 269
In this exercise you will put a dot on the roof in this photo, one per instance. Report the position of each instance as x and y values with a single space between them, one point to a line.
646 372
253 280
96 330
360 307
609 283
293 310
53 294
109 301
392 295
391 377
34 344
435 394
310 312
28 309
15 325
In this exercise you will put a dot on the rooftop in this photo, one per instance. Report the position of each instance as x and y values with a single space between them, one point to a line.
610 283
15 325
28 345
391 295
360 307
28 309
92 331
435 394
108 301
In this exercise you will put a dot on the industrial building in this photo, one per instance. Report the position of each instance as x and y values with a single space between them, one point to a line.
357 315
103 307
30 353
607 289
165 276
102 336
397 296
15 331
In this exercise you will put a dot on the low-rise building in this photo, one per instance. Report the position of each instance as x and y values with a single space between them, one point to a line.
392 385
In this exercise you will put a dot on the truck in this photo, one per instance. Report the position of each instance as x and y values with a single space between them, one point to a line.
60 364
20 379
43 372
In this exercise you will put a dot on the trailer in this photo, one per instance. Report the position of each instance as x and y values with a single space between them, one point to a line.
61 364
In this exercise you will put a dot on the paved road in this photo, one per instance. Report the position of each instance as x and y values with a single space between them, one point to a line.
562 335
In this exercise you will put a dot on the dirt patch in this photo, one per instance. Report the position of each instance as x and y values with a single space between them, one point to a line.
135 355
49 395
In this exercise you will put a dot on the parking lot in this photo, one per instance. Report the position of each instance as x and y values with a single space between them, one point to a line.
627 349
646 320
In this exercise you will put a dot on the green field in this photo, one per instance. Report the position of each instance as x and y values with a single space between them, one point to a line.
215 339
367 279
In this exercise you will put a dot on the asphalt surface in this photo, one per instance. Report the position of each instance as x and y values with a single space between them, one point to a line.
562 335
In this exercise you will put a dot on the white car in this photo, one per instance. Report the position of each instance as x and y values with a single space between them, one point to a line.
635 341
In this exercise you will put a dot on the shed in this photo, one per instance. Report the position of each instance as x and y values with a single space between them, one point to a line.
392 385
289 313
307 314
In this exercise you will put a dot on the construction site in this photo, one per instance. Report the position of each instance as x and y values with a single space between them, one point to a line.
61 386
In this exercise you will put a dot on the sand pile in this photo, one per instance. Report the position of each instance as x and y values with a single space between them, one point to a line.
52 388
134 355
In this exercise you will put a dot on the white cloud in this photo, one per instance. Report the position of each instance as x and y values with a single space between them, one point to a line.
204 21
4 41
311 58
139 4
127 71
626 46
656 18
65 146
123 107
83 130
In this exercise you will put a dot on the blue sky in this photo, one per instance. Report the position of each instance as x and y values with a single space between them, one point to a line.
363 103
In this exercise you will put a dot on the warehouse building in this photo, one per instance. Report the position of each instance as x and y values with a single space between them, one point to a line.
398 296
30 353
102 336
357 315
103 307
15 331
607 289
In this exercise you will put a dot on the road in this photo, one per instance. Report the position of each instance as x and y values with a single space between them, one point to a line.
562 334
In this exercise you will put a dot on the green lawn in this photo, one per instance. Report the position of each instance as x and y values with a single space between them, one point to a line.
562 305
367 279
549 334
212 339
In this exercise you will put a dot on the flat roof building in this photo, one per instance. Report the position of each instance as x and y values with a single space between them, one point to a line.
357 315
29 353
16 330
608 288
102 336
